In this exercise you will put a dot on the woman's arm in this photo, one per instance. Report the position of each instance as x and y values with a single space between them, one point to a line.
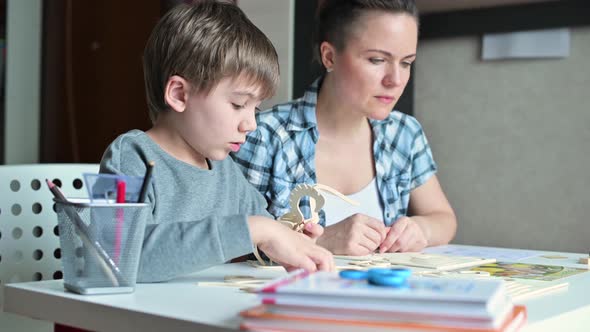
431 221
432 211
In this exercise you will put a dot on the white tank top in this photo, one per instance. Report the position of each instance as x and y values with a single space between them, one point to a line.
337 210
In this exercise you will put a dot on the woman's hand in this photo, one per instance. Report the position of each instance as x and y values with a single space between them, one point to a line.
405 235
357 235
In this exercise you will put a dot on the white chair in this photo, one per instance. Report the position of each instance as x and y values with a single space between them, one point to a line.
29 241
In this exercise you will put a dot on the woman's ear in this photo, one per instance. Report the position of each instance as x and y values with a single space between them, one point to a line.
176 93
327 53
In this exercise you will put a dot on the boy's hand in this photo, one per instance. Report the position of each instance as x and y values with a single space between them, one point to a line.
291 249
405 235
314 231
357 235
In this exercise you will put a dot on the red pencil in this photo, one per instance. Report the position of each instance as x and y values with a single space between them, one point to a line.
120 219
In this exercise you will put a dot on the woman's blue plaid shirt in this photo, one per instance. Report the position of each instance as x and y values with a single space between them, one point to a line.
280 154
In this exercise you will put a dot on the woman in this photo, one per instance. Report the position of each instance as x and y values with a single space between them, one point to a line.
344 134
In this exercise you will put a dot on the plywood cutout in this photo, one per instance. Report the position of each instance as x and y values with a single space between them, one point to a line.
294 219
437 262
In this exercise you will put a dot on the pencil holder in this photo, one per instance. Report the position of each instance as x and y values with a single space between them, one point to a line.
100 244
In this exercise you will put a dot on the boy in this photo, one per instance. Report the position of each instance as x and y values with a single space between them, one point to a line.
207 68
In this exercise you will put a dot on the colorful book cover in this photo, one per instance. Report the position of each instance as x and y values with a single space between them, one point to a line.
528 271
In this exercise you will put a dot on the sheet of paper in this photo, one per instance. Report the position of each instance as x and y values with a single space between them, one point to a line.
500 254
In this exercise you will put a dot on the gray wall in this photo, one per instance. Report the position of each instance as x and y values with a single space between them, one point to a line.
511 139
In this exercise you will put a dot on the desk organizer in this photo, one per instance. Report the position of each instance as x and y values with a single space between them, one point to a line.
100 244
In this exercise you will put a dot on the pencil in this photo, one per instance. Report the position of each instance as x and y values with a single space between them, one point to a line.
146 182
120 219
108 266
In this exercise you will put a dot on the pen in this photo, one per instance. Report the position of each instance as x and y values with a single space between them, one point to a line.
108 266
120 218
146 182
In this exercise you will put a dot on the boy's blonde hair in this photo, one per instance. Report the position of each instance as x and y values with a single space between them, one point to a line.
204 43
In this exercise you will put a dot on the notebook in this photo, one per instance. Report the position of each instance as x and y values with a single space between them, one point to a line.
467 298
300 318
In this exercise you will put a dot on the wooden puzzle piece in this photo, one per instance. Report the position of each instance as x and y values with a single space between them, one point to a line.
414 259
294 219
554 256
243 282
261 264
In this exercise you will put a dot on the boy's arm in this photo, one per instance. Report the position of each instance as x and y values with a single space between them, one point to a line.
172 248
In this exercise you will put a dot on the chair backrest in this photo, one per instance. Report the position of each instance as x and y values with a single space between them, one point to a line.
29 237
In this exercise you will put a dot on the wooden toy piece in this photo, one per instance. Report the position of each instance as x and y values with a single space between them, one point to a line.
585 260
554 256
294 219
243 282
438 262
259 258
261 264
316 201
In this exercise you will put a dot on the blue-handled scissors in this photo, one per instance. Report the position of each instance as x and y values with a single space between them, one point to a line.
379 276
388 277
353 274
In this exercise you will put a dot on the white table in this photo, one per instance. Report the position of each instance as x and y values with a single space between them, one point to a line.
181 305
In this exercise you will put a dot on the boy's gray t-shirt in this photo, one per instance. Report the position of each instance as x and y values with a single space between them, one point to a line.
199 217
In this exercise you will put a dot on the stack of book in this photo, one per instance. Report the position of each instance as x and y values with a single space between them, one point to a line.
323 301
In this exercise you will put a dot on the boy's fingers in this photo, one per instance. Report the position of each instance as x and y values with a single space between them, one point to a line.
289 268
313 230
308 264
324 260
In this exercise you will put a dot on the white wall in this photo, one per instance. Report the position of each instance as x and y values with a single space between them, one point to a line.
23 81
512 142
276 19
